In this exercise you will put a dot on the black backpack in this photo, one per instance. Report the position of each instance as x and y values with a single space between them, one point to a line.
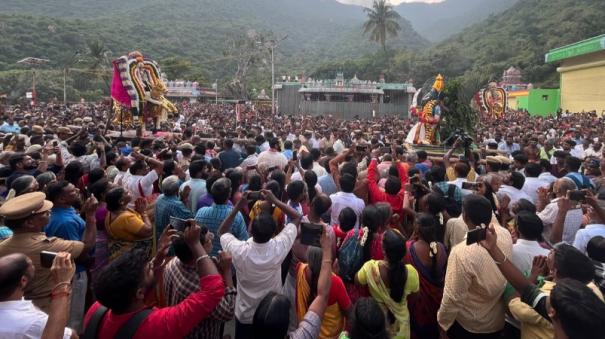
127 331
452 207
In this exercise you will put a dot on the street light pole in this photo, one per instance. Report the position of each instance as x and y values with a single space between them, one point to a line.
272 81
34 87
216 92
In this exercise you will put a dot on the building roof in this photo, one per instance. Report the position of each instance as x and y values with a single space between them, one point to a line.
583 47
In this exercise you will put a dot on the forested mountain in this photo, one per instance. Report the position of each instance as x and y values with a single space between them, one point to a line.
199 30
519 36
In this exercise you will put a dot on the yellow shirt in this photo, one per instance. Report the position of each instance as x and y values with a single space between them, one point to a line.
474 286
533 325
369 275
451 174
125 226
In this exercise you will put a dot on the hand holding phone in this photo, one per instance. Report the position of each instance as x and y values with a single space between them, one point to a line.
472 186
310 234
476 235
578 196
47 258
179 224
254 195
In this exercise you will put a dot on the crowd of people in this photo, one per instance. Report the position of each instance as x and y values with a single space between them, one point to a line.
298 227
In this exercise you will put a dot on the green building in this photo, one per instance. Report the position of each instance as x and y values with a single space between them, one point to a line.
540 101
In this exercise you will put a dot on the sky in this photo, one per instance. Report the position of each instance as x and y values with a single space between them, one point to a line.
394 2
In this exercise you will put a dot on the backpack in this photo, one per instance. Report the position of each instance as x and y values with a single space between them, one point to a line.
128 330
350 257
452 207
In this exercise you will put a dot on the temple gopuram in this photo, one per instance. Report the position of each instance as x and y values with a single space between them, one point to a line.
343 98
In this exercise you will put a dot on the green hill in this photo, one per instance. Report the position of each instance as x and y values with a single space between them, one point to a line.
519 36
198 30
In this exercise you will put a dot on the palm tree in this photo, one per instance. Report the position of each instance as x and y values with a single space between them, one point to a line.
382 22
97 58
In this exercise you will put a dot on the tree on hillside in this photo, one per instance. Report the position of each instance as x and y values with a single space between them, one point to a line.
246 51
381 22
98 60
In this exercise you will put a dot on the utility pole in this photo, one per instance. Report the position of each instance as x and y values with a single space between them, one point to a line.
33 62
65 86
272 45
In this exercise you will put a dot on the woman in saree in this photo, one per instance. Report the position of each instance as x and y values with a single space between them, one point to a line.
127 228
390 281
307 276
429 258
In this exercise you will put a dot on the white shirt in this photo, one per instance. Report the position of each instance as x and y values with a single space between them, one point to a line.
590 152
577 151
338 146
548 177
531 186
269 158
584 235
341 200
513 193
121 178
319 169
458 182
524 252
146 185
573 221
251 160
258 268
21 319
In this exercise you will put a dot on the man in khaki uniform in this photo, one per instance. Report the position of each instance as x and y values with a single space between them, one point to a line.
26 215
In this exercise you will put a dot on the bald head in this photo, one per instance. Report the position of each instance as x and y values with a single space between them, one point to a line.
13 268
563 185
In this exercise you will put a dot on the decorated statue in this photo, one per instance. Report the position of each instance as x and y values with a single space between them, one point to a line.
426 130
160 106
137 86
493 101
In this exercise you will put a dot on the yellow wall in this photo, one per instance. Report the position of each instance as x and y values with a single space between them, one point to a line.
583 83
512 103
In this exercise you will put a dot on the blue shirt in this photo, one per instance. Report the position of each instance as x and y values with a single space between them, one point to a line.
213 216
229 159
288 153
5 232
66 223
166 207
327 184
7 128
198 189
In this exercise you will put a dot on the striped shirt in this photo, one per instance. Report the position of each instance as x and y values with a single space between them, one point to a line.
180 281
166 207
213 216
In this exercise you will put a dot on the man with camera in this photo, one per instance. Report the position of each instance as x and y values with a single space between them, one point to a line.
473 287
19 317
26 215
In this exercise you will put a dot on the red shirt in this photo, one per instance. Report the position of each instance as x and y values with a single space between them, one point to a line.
168 322
377 195
340 235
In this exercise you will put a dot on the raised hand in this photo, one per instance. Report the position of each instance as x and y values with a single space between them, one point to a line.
62 269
